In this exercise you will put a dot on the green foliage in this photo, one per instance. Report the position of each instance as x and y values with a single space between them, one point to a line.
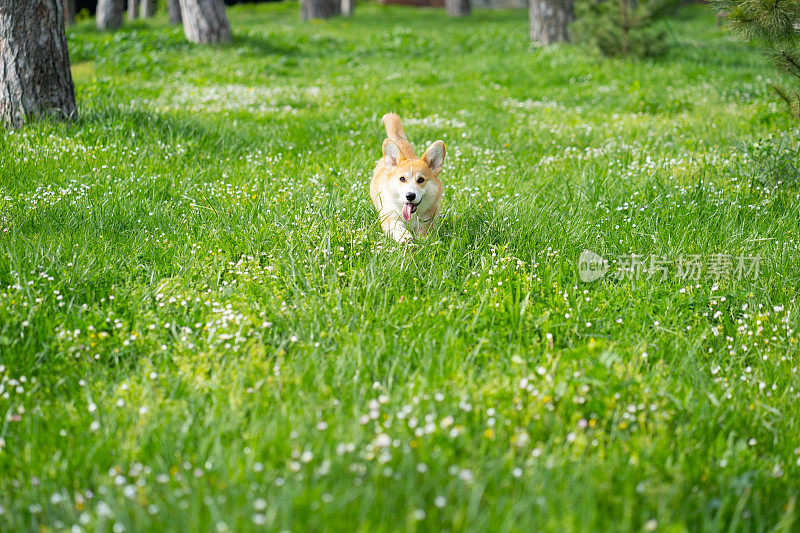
83 15
776 24
623 27
202 327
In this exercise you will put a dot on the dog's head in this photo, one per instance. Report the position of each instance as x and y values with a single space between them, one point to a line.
409 180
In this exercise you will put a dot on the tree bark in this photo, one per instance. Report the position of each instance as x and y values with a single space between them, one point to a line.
550 20
174 8
35 79
204 21
458 8
146 9
69 12
348 7
133 9
109 14
319 9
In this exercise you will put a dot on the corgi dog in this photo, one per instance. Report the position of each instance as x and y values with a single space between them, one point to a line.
406 190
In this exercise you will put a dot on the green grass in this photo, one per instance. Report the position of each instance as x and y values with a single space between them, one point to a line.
203 328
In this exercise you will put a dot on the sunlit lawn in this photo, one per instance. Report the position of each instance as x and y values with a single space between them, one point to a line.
202 327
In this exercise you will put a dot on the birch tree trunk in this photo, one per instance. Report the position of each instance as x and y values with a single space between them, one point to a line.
319 9
204 21
458 8
146 10
109 14
133 9
35 79
69 12
348 7
174 9
549 20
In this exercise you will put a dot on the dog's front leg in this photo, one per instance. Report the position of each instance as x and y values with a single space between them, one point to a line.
422 228
396 228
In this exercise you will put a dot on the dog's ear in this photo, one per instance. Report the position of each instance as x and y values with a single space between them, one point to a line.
434 156
391 153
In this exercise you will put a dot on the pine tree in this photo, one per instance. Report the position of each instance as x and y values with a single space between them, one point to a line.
623 27
35 79
319 9
205 21
550 20
776 24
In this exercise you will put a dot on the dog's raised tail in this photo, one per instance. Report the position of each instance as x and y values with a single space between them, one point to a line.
394 131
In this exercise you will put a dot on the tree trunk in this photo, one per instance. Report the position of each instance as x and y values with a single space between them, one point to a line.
348 7
204 21
34 63
458 8
69 12
174 8
146 10
319 9
133 9
549 20
109 14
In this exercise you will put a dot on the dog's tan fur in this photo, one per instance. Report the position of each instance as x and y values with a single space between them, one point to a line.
398 174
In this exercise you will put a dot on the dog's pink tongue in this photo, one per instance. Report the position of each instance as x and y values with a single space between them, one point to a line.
407 211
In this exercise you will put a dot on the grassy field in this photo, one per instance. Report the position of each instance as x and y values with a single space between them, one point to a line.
203 328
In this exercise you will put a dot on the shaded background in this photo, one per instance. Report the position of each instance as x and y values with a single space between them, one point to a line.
91 5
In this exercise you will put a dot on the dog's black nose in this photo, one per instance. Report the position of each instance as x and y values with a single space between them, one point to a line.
410 196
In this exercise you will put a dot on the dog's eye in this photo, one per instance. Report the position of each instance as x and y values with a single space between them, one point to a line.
420 180
403 179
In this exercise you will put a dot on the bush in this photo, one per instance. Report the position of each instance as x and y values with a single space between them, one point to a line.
623 27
